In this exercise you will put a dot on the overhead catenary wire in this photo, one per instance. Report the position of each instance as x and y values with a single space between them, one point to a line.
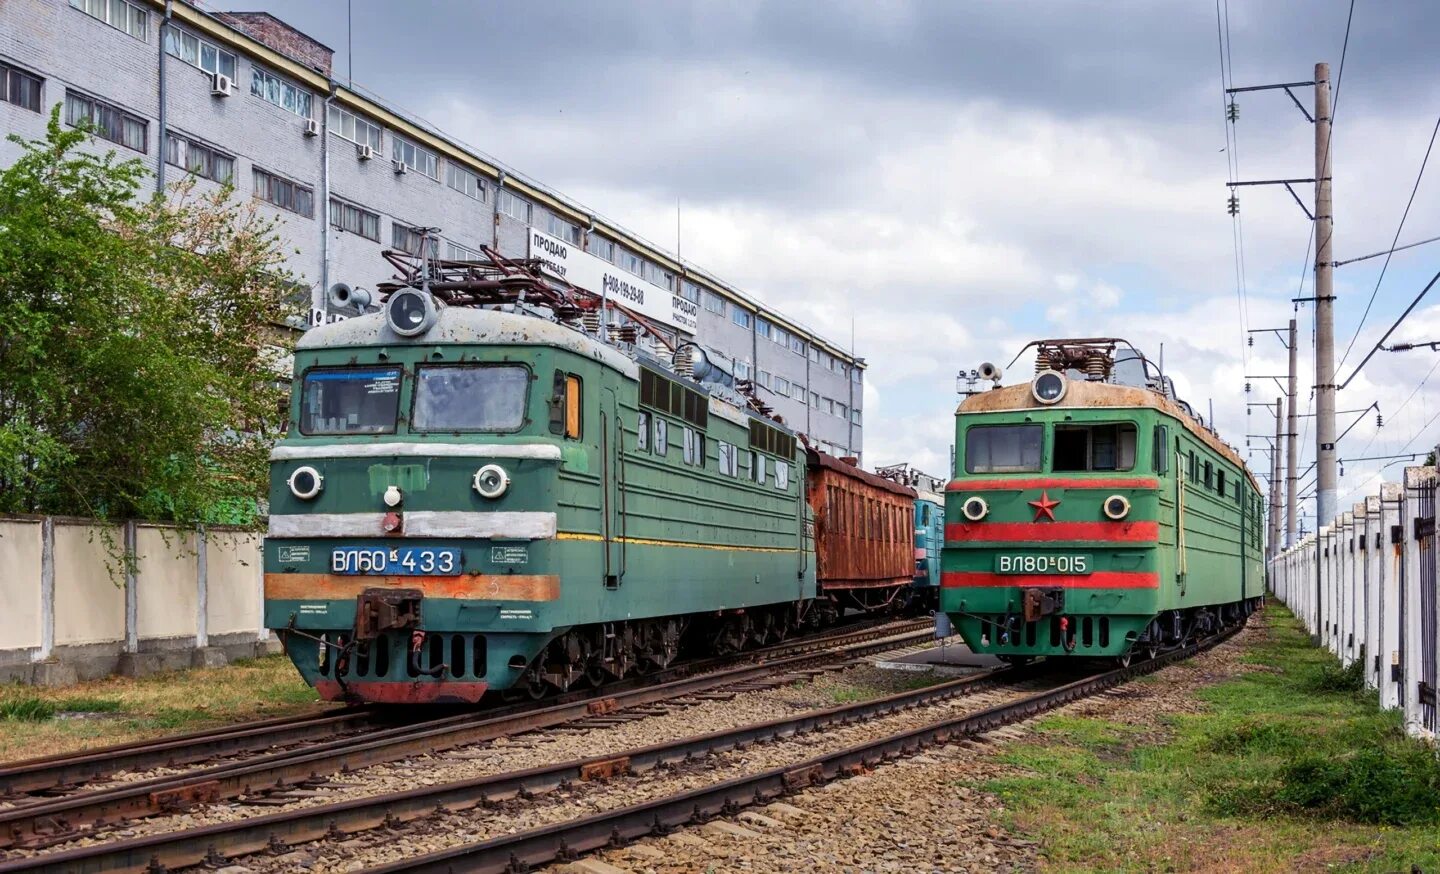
1232 170
1388 255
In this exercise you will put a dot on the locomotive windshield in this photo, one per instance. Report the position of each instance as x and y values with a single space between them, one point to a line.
360 400
470 397
1094 447
1003 448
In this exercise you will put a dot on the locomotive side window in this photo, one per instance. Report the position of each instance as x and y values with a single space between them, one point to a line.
469 397
1094 447
358 400
642 431
662 437
1160 450
565 405
1003 448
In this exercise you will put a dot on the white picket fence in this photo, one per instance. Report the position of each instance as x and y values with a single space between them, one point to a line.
1366 586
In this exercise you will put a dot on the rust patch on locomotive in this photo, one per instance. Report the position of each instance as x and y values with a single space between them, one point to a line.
488 587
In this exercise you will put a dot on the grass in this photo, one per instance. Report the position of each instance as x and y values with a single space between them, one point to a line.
37 721
1289 766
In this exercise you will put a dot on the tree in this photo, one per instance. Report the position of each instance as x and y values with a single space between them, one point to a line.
141 340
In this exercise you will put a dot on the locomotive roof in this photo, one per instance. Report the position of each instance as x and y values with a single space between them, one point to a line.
466 325
1087 395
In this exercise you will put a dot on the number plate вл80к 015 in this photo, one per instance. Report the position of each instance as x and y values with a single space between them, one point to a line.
1042 564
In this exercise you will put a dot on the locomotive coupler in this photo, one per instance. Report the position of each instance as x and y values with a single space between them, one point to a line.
378 610
1042 602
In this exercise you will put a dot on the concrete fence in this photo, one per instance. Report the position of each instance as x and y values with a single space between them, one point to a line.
1366 586
83 599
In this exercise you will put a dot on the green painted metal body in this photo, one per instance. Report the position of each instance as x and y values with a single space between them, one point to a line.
638 533
1206 554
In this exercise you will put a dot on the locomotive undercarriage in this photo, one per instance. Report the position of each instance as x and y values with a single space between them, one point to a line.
603 652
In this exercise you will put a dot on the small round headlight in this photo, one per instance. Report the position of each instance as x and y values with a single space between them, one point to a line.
491 481
410 312
305 483
975 508
1117 507
1048 387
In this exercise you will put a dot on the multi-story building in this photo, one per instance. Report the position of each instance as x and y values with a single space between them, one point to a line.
243 98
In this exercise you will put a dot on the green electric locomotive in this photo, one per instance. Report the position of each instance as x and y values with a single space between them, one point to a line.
477 493
1092 513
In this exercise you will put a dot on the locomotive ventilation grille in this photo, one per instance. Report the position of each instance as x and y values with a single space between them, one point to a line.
387 657
1089 631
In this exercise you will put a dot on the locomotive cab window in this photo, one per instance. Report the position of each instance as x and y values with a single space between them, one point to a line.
356 400
1094 447
470 397
565 406
1003 448
1160 450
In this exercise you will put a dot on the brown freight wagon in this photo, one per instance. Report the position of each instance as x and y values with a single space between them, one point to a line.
864 532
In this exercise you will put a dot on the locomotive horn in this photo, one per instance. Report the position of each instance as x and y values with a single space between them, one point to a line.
342 295
989 371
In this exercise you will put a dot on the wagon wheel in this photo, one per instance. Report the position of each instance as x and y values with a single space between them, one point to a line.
595 674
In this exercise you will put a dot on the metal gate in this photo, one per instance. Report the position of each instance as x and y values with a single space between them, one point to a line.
1424 534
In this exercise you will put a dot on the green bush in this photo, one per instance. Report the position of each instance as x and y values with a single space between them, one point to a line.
25 709
1333 678
1397 784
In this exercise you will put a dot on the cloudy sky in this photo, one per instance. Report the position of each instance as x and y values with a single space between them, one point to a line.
956 178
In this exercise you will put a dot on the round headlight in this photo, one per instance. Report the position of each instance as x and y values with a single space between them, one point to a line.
1117 507
491 481
1048 387
974 509
410 312
305 483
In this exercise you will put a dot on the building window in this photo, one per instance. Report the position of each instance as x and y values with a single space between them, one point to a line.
348 217
841 410
797 392
20 88
272 89
855 416
690 291
764 378
200 159
797 345
109 122
715 303
855 374
417 159
740 317
558 227
465 182
200 53
661 277
828 405
355 128
408 239
284 193
782 386
632 263
762 327
601 248
119 14
457 252
814 401
814 354
742 369
513 206
781 336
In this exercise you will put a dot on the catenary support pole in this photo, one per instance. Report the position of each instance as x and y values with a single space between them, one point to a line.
1273 547
1292 514
1325 482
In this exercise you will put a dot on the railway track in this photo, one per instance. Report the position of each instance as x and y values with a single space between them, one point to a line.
43 779
435 807
47 822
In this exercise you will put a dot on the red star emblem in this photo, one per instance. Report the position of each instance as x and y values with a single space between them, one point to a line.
1044 506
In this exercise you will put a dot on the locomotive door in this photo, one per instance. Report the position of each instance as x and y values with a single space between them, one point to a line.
611 474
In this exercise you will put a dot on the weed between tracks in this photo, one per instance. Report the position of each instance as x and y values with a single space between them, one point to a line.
40 722
1270 758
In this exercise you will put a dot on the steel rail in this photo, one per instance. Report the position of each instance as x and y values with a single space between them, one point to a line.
61 820
565 841
214 844
70 769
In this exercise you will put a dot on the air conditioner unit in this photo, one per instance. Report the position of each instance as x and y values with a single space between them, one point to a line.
366 151
221 85
312 127
399 166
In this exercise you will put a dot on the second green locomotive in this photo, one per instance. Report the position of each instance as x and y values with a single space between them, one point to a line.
1090 517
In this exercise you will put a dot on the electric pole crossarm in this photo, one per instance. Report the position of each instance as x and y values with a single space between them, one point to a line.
1280 87
1271 182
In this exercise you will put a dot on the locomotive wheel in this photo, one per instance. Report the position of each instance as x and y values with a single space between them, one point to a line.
1124 660
595 675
